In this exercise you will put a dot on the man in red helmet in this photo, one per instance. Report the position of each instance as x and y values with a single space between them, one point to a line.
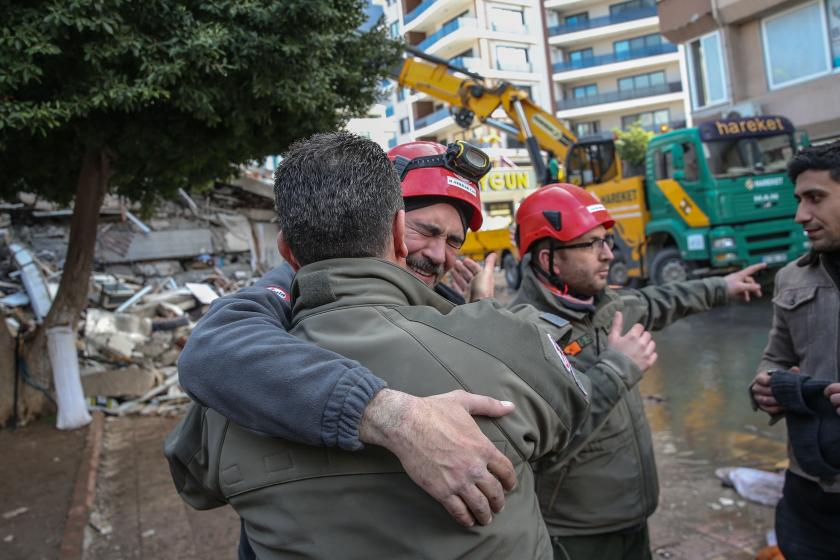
267 380
596 500
441 203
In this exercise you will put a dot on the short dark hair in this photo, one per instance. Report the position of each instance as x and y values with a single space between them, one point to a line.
825 157
336 196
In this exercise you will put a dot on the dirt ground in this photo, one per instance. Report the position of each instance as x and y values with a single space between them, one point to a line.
138 515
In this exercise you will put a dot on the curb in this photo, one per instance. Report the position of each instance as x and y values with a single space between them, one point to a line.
84 492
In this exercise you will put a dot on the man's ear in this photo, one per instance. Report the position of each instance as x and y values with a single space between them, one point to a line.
542 260
286 252
400 248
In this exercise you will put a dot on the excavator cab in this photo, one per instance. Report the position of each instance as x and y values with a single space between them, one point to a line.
592 161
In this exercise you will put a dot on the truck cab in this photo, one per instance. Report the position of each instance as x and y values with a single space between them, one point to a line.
718 198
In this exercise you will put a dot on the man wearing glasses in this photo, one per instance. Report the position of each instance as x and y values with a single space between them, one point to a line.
596 499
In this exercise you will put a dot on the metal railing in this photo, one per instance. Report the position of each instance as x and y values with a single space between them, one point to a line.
450 27
431 118
422 7
590 61
628 15
613 96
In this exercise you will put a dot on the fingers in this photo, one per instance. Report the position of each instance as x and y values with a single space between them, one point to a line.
833 394
762 379
617 326
480 405
752 269
493 491
460 277
490 262
456 507
477 504
500 466
472 267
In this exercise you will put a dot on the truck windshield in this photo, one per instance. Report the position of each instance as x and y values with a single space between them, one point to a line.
748 156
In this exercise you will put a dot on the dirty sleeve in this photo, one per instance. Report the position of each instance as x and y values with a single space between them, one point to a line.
241 361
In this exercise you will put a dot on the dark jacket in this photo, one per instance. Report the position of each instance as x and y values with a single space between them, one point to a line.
608 481
300 501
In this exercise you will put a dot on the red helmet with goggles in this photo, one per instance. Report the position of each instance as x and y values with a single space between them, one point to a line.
560 211
431 169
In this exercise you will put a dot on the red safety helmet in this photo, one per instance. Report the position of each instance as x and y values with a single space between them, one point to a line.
436 181
560 211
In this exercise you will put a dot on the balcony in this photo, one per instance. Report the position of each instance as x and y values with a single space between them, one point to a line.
448 29
615 96
412 15
392 142
431 118
603 21
389 110
611 58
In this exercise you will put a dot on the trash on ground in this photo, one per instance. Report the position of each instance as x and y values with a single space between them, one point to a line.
755 485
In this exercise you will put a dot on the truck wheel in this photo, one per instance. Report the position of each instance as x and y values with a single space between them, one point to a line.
513 272
667 266
618 273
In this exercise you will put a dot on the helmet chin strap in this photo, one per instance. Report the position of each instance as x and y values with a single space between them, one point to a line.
553 278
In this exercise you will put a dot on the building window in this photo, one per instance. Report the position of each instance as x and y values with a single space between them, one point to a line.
527 89
706 71
585 91
650 120
507 19
631 5
577 19
400 94
637 43
833 15
642 81
795 45
587 128
512 58
580 55
405 126
394 30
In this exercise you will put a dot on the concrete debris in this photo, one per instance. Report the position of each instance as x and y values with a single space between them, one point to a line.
15 512
152 281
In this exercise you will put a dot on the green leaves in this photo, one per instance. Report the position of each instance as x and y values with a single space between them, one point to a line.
179 91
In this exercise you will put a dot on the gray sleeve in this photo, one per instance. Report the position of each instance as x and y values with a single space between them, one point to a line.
241 362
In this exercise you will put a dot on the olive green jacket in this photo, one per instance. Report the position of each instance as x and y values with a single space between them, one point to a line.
805 331
607 480
305 502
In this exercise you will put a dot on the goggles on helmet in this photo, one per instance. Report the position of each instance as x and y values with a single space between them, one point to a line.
460 157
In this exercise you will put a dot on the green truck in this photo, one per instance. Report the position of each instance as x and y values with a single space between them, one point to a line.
711 199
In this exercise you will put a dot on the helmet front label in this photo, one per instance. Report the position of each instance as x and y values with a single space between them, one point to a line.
463 185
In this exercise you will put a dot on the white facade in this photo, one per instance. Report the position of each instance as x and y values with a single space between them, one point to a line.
502 40
611 67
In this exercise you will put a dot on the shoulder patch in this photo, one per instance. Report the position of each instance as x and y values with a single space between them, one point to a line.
555 320
280 292
569 369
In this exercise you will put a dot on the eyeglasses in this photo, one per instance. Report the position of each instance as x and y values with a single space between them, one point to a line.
596 244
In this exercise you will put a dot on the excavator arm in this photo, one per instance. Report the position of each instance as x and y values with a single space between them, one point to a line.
470 95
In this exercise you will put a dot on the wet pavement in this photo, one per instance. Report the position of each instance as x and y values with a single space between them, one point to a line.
697 391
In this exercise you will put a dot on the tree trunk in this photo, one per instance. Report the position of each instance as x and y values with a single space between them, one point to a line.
71 298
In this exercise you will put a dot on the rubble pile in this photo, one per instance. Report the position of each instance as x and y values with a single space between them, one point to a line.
152 280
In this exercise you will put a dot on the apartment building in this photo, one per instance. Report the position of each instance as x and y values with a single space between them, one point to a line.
759 57
499 39
611 67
